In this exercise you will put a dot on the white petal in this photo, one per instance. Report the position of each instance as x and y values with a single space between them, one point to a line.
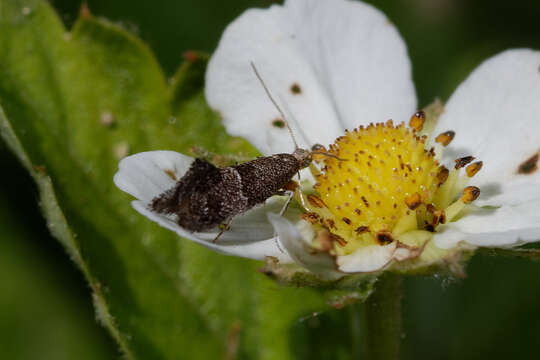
145 175
505 226
367 259
249 237
496 116
293 242
346 57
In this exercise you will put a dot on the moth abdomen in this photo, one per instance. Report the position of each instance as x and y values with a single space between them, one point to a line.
204 197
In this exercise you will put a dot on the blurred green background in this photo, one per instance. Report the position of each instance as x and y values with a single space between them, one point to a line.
45 305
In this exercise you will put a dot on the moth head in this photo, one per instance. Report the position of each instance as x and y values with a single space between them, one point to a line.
303 157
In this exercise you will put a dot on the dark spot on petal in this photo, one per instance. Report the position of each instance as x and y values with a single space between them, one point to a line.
529 166
279 123
296 89
171 174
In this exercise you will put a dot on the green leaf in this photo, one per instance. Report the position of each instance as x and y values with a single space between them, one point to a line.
74 104
43 310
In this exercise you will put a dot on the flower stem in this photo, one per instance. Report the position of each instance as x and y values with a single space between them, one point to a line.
382 319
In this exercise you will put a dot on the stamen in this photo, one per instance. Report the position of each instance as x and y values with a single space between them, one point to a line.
439 217
413 201
384 237
417 121
341 241
474 168
310 217
442 175
462 162
470 193
445 138
361 229
316 201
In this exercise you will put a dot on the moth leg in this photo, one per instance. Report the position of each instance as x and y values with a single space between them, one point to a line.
288 190
287 203
301 194
223 228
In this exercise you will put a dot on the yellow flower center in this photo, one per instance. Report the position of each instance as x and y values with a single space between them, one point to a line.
380 182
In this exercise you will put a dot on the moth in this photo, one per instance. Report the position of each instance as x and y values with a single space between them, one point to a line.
208 196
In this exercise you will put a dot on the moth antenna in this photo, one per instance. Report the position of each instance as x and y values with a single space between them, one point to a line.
329 155
275 103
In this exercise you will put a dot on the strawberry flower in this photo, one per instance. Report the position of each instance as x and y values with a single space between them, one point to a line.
400 187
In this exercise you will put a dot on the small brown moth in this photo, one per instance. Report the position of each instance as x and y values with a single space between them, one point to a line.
208 196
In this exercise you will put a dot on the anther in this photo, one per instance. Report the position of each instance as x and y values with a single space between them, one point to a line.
470 193
365 201
439 217
310 217
331 223
318 147
417 121
316 201
341 241
384 237
445 138
442 175
413 201
473 168
361 229
461 162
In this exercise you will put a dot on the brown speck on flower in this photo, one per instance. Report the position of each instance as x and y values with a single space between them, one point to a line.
296 89
171 174
279 123
529 166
